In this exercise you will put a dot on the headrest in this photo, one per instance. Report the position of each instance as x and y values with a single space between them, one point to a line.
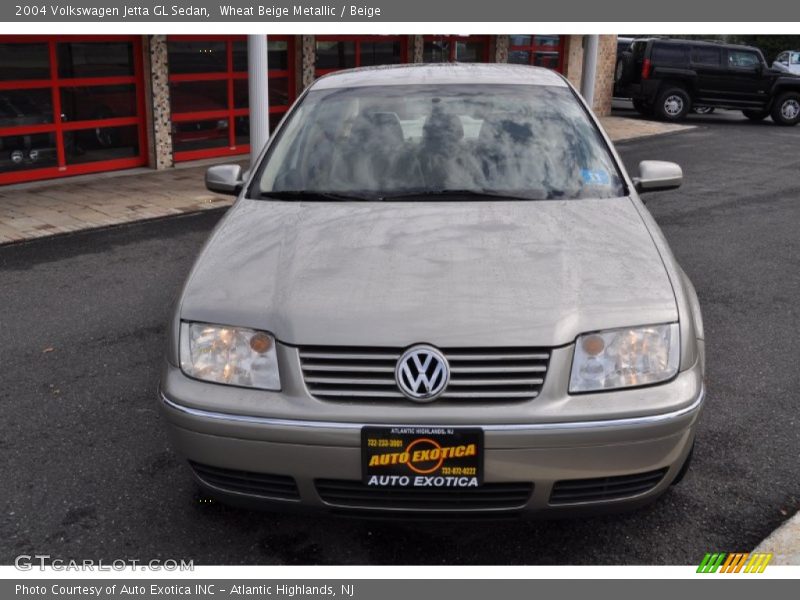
377 127
442 128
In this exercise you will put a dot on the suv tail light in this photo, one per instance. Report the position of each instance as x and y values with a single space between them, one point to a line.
646 65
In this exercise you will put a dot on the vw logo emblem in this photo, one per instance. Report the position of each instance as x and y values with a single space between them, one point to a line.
422 373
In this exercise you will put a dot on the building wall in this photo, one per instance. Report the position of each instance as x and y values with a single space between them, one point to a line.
604 78
155 110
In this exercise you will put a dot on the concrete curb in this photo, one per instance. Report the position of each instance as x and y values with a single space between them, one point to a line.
784 543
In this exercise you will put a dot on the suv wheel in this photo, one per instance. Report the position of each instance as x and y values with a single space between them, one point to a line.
673 104
755 115
703 110
786 110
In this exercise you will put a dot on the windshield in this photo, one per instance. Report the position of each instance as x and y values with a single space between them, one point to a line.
512 141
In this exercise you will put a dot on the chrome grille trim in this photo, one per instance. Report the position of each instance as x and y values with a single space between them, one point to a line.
367 374
499 369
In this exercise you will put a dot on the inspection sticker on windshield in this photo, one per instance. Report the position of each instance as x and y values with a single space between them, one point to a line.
595 177
422 457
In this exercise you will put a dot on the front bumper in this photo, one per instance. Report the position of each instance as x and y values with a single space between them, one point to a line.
294 463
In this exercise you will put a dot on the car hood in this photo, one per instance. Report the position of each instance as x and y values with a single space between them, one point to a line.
445 273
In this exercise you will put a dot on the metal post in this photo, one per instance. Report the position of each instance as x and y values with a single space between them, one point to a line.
258 86
589 71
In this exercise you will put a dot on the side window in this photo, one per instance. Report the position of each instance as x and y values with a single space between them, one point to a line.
742 59
703 55
670 54
795 58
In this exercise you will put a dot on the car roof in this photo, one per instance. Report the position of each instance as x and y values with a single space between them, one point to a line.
441 74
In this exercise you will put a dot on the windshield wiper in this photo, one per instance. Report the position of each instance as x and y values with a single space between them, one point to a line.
422 194
475 195
316 196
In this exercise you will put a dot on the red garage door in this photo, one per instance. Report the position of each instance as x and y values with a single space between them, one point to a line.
209 92
336 52
70 105
455 48
540 50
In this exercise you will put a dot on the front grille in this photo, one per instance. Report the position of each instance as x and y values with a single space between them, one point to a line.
354 494
280 487
605 488
480 374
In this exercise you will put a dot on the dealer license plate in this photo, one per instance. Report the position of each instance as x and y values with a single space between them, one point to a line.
422 457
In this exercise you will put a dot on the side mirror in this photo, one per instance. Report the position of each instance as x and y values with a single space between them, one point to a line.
225 179
658 175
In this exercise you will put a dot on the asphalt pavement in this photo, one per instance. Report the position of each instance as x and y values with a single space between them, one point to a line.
87 471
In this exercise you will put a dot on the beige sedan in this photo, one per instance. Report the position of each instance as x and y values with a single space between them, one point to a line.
437 293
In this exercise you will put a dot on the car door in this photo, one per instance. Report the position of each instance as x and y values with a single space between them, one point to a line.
744 81
707 64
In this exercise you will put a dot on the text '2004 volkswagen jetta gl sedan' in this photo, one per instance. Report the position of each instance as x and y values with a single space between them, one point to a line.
437 292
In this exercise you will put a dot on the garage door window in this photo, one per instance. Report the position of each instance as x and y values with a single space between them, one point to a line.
70 105
209 94
348 51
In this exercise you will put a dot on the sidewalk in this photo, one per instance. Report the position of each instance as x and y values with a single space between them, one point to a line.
35 210
40 209
621 128
784 543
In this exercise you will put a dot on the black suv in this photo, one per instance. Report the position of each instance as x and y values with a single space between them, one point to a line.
666 78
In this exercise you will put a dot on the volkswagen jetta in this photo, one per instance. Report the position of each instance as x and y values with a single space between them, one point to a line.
437 292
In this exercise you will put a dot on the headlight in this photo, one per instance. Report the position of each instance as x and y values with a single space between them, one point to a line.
620 358
231 355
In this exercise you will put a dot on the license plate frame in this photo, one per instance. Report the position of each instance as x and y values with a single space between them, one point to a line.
393 457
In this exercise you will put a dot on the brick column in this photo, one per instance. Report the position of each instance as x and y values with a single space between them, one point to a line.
573 59
158 105
606 63
308 51
417 46
604 80
501 49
